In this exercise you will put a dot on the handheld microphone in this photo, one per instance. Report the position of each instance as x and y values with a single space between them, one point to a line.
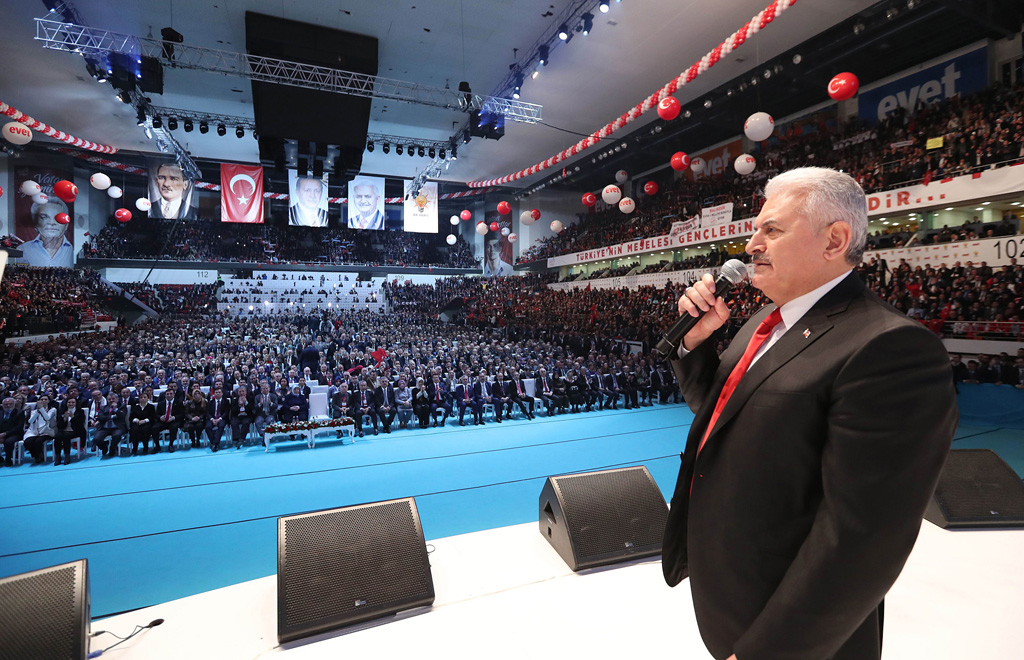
733 272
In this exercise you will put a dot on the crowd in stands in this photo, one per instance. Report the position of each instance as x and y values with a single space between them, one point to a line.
980 131
43 300
210 241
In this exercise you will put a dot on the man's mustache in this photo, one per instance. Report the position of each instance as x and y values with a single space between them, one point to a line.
761 258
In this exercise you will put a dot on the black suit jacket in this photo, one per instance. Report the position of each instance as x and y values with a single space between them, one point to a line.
177 410
14 426
809 492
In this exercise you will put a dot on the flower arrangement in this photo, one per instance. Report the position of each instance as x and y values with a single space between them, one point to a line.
295 427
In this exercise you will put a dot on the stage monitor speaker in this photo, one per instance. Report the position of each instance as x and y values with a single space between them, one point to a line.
344 566
976 489
598 518
45 613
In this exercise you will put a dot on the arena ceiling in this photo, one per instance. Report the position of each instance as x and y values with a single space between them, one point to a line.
633 49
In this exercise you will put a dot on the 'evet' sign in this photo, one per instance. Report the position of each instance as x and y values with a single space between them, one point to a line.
963 74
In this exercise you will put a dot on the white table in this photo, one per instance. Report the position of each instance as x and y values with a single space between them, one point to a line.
505 593
349 430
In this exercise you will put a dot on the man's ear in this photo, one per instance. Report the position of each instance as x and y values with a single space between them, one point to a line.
840 235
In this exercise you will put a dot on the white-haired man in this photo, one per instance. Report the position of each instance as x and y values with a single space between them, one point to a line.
818 439
50 248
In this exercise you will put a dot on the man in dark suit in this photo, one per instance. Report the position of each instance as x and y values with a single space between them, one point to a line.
143 417
170 414
464 398
544 389
217 417
818 439
365 405
483 391
266 406
12 428
112 422
516 390
439 400
384 398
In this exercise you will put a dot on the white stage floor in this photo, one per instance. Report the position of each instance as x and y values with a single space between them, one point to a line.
505 593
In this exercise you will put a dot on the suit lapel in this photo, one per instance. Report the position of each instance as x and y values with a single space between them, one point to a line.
805 332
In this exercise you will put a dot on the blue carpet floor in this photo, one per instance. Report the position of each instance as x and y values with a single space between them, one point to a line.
156 528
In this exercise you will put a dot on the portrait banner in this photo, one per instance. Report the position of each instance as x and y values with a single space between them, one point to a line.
171 194
421 208
365 208
307 199
46 242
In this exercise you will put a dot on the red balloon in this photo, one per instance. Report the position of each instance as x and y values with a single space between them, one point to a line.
504 208
843 86
535 214
668 108
680 161
123 215
466 215
1 191
494 225
62 218
66 191
589 199
651 188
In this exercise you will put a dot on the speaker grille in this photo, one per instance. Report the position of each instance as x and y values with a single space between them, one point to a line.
42 614
347 565
978 485
613 512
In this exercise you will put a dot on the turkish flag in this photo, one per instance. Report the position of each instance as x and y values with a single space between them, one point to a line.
241 193
379 355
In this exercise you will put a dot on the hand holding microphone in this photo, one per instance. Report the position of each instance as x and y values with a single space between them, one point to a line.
702 309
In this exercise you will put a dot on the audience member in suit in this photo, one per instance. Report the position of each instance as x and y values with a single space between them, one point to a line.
295 407
242 414
143 419
544 390
517 392
403 403
93 410
628 384
195 416
663 383
439 399
42 427
561 390
643 384
591 389
365 405
611 389
464 398
170 417
218 415
112 423
421 405
70 425
265 406
500 389
574 391
384 399
342 403
959 368
483 391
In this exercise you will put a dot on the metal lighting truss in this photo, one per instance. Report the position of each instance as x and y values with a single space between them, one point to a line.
380 138
165 141
74 38
230 121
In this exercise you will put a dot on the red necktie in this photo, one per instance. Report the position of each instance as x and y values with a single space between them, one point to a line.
760 337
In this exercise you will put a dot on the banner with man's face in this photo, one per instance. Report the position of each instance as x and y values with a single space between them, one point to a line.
171 194
46 242
420 208
307 200
497 249
365 208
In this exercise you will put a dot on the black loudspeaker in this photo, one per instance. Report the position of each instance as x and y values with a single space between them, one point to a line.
344 566
976 489
45 613
597 518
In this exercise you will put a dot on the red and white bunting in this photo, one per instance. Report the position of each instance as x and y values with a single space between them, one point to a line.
50 131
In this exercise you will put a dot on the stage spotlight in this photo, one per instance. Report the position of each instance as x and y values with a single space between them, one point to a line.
432 152
239 132
369 146
124 97
563 32
515 94
603 7
543 53
157 122
399 150
172 123
140 117
387 148
588 23
535 74
455 153
422 152
204 128
707 104
412 151
442 153
221 130
798 58
188 125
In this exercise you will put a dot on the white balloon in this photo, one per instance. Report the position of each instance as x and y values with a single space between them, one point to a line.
745 164
526 218
556 226
627 205
454 220
697 165
143 204
481 228
40 198
512 238
622 176
759 126
505 231
31 188
17 133
611 194
114 192
100 181
451 239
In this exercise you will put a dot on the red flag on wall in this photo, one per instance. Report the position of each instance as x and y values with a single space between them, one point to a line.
241 193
